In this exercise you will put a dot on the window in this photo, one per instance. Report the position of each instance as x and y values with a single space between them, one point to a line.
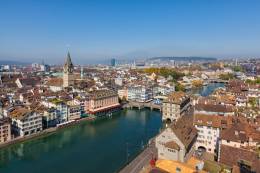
178 170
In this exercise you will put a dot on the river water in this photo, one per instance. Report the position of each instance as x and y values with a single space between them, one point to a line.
99 146
104 145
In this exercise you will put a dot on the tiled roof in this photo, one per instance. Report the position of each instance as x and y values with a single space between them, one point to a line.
214 108
241 132
176 97
19 113
215 121
184 130
232 156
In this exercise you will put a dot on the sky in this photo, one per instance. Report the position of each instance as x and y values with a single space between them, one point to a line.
95 31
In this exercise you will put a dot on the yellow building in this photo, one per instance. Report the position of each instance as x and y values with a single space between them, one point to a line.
193 165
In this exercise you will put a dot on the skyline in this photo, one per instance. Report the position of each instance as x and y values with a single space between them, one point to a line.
96 31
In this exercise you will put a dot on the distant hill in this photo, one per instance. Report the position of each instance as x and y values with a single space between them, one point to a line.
7 62
183 58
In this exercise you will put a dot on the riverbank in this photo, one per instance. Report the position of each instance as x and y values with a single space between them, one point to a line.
141 160
43 133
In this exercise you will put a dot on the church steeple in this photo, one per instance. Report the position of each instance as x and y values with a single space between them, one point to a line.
68 66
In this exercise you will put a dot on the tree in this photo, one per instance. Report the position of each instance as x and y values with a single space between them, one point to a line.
226 76
179 87
197 83
252 101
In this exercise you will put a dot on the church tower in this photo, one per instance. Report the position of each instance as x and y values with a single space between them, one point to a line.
68 72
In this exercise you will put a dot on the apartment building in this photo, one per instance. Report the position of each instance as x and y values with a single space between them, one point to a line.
5 129
175 106
25 122
139 93
209 128
102 102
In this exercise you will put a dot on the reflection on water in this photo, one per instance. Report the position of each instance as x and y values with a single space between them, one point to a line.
86 147
207 90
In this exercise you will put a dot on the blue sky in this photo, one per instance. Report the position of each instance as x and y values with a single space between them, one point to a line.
97 30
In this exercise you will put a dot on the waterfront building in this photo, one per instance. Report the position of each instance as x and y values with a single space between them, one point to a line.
177 142
50 118
139 93
102 102
60 106
25 122
5 129
68 69
175 106
74 111
122 93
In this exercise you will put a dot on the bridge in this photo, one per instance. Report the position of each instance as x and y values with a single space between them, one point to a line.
217 81
141 105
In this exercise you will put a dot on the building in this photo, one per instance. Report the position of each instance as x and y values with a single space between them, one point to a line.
68 77
139 93
177 142
50 118
241 135
5 130
122 93
175 106
113 62
74 111
214 109
102 102
241 159
25 122
209 128
193 165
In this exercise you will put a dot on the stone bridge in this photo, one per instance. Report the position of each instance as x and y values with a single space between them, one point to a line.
141 105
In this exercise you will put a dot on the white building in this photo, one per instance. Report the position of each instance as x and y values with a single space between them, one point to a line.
178 141
139 93
26 122
209 128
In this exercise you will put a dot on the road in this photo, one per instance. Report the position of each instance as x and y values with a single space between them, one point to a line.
141 160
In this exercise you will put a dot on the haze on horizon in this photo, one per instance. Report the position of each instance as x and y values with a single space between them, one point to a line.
95 31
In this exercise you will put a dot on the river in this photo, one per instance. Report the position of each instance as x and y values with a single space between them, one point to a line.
99 146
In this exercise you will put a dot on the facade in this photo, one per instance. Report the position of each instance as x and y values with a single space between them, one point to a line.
102 102
60 106
74 111
209 128
68 77
5 130
178 141
175 106
26 122
122 93
139 93
50 118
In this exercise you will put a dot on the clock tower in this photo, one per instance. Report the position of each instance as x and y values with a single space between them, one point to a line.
68 69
